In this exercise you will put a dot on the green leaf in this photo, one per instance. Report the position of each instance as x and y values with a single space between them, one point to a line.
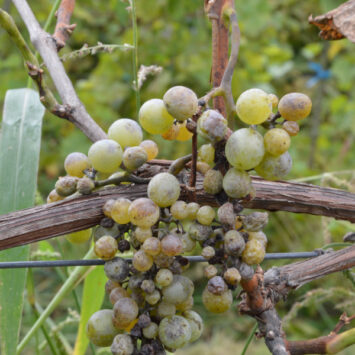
19 156
93 295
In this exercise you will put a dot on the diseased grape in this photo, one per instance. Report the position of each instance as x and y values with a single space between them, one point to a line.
185 305
205 215
295 106
151 331
254 252
174 332
213 181
226 214
148 286
101 231
188 244
171 245
166 309
210 271
151 148
151 246
171 133
232 276
117 269
212 125
199 232
154 117
181 102
142 261
291 127
117 293
122 345
183 133
237 183
260 236
143 212
164 189
217 303
234 243
179 210
274 100
142 234
255 221
179 290
85 186
75 163
196 324
208 252
274 168
277 141
125 311
100 329
105 155
119 210
164 277
66 185
134 157
153 298
79 237
245 148
254 106
110 285
217 285
206 153
106 247
54 197
126 132
192 209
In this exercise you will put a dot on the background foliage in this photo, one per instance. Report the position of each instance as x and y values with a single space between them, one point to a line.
280 52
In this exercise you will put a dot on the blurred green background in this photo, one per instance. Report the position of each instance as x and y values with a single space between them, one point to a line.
280 52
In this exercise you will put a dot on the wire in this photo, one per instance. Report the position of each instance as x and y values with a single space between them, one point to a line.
195 258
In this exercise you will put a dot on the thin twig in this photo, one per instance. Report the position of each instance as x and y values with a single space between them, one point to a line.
64 29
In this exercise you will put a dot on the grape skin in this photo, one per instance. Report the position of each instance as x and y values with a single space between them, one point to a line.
171 245
105 155
164 189
245 148
254 106
212 125
154 117
174 332
142 261
277 141
274 168
237 183
75 163
126 132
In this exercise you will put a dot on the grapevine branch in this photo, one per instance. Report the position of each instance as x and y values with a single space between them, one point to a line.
64 29
46 46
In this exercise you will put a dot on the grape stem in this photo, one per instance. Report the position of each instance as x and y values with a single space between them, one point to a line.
124 178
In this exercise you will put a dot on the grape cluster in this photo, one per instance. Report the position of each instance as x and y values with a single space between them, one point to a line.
151 298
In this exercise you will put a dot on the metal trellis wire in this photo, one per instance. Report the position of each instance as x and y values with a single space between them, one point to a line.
195 258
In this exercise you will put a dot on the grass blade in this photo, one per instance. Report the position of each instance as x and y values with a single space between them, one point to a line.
93 295
19 156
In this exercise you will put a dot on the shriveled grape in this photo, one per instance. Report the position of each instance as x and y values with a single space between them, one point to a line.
295 106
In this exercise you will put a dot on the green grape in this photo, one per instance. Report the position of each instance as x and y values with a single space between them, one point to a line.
171 245
212 125
174 332
255 221
274 168
217 303
295 106
208 252
153 298
106 247
119 210
291 127
179 210
66 185
122 345
206 215
143 212
75 163
126 132
245 148
260 236
254 252
232 276
142 234
181 102
237 183
134 157
151 148
183 134
210 271
206 153
117 293
125 311
151 331
164 277
166 309
100 329
151 246
105 155
85 186
141 261
171 133
213 182
254 106
185 305
188 244
54 197
179 290
117 269
234 243
154 117
199 232
277 141
196 324
79 237
192 209
164 189
274 100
